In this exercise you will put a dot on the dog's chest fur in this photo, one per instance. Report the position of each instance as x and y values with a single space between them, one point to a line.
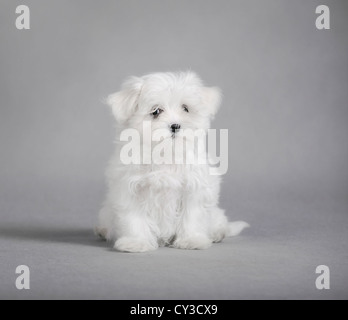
168 187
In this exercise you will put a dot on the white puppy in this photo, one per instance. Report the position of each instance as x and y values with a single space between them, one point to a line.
154 203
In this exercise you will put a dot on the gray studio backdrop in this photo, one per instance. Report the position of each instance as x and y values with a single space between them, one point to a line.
285 87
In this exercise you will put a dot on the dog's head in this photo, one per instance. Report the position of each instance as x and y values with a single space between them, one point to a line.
171 101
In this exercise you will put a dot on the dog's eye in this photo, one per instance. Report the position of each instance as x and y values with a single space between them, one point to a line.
157 112
185 107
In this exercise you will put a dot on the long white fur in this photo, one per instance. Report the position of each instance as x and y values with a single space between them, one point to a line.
150 205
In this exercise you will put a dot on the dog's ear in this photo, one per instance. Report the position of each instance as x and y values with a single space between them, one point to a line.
124 102
212 99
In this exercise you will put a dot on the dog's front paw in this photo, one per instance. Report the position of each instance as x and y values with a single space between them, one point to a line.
128 244
192 242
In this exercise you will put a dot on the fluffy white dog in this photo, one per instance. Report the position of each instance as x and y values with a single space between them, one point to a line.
164 203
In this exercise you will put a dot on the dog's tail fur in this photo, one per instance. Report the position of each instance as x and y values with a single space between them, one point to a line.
236 227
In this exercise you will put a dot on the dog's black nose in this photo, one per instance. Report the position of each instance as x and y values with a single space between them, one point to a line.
175 127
